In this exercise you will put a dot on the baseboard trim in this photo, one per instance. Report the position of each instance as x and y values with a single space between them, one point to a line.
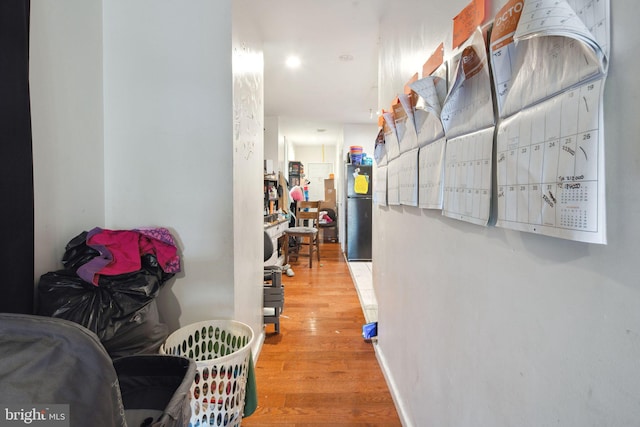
395 394
257 347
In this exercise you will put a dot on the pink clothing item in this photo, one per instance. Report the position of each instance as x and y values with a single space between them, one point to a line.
325 218
157 233
296 194
120 252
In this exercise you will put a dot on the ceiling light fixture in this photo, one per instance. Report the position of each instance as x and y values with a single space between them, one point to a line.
293 61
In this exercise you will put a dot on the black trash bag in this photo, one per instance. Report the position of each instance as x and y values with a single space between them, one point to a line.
142 333
121 310
77 252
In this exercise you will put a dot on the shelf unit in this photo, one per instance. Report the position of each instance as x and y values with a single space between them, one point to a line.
296 173
270 197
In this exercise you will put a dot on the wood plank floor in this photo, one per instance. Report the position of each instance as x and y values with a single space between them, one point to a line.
319 371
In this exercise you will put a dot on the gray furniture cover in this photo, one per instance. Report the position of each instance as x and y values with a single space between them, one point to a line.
54 361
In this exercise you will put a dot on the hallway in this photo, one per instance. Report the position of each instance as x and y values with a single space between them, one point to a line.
319 371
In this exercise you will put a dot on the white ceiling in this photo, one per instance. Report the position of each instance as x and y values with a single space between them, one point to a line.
325 92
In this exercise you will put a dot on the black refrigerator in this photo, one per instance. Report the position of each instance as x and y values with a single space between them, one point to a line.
358 212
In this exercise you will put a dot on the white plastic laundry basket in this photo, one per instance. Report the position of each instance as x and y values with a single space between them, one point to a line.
221 349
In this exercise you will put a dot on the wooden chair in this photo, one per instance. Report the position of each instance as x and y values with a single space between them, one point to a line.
305 233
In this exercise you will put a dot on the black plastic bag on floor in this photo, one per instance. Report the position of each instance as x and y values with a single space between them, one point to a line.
121 310
77 252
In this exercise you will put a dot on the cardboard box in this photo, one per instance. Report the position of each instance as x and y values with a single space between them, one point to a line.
329 184
330 192
330 198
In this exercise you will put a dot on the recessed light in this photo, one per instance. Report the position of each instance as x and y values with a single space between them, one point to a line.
293 61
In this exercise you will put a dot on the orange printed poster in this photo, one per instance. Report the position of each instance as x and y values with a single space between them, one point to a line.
407 88
505 24
436 60
467 21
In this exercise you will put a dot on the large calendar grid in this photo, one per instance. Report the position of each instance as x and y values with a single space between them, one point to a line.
570 16
393 182
548 164
408 178
571 36
467 182
503 62
468 121
595 15
431 160
469 107
380 187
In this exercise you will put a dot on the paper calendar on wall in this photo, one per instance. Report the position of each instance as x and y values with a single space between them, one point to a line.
468 120
549 61
430 93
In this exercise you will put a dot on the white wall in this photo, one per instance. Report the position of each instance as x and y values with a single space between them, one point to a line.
283 152
290 154
491 327
316 153
133 125
248 155
271 142
67 123
168 133
169 146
